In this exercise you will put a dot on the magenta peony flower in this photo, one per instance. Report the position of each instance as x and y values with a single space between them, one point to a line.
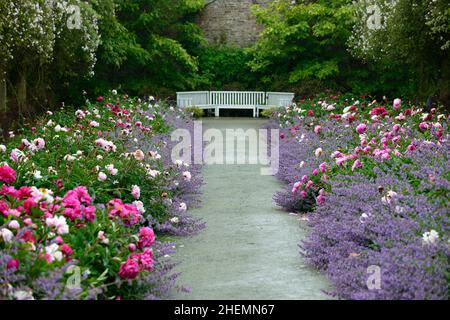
129 269
423 126
13 264
323 167
146 237
361 128
146 259
7 174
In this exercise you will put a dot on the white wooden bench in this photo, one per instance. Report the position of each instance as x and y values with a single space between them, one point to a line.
254 100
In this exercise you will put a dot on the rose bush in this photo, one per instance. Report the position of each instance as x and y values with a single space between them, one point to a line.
82 194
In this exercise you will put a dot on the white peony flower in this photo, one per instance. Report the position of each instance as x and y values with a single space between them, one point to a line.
37 175
140 206
318 152
430 237
182 207
59 222
53 252
187 176
6 235
102 176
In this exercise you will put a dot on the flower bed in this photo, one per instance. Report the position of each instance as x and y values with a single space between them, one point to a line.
84 198
374 181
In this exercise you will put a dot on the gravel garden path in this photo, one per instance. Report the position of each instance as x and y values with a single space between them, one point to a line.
249 249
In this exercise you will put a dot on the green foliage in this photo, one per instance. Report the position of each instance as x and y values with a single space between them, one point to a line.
303 41
152 36
223 67
270 112
196 112
414 33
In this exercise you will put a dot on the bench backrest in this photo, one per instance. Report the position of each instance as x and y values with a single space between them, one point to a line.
233 98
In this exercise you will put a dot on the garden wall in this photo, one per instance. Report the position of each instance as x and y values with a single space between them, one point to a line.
231 22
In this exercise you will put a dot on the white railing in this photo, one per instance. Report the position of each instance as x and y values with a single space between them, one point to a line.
217 100
192 98
236 98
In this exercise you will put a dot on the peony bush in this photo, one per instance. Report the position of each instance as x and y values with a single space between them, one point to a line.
88 199
374 182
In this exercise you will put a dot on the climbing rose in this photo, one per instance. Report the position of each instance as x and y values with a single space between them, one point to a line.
7 174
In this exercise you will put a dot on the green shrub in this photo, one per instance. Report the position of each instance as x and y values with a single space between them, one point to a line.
195 111
269 113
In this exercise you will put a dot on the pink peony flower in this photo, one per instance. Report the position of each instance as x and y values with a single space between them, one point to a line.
323 167
146 237
102 176
129 269
396 127
361 128
317 129
397 103
412 147
136 192
303 194
146 259
139 155
99 99
321 198
7 174
356 164
132 247
127 212
297 185
424 126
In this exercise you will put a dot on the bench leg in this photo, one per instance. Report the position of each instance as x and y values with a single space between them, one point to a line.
217 111
254 112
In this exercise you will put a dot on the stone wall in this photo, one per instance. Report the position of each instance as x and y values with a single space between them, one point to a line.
230 22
